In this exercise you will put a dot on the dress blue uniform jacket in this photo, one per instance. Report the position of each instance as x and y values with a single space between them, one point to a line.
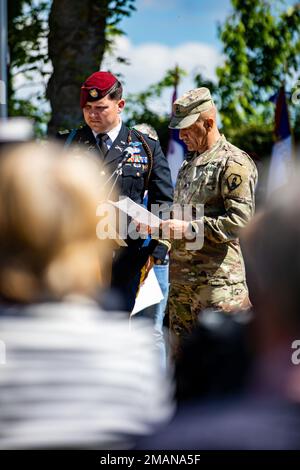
132 183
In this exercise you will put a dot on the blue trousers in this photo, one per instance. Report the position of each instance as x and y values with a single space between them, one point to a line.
156 312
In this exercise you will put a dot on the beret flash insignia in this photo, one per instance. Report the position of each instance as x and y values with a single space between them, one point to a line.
93 93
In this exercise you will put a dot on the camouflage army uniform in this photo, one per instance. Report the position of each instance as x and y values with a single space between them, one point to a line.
223 179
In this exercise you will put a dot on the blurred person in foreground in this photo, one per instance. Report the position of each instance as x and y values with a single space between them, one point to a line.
268 415
73 376
216 358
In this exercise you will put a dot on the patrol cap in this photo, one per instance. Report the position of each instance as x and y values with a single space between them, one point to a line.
96 86
188 107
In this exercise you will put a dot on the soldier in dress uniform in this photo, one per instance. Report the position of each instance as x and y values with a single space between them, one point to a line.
144 167
222 178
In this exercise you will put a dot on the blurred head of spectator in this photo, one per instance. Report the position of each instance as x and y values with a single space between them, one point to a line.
215 358
271 245
74 375
48 243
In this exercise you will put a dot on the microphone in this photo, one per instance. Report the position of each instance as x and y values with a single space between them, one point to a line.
128 152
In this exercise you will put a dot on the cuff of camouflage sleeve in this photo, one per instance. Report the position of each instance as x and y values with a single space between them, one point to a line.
193 229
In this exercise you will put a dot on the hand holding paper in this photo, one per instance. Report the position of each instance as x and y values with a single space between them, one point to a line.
138 213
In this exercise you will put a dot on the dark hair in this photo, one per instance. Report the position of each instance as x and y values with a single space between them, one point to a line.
271 248
215 358
116 94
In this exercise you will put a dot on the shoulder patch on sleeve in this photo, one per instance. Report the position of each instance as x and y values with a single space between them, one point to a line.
234 181
239 178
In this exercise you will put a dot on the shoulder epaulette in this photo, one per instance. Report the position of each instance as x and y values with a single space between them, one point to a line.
152 137
64 132
146 131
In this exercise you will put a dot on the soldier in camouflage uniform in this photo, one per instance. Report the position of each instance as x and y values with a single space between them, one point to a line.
222 178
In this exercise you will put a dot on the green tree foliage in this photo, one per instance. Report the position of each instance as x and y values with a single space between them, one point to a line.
28 30
261 44
140 107
253 136
80 32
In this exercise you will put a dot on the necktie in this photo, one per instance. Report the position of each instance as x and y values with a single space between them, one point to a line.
101 142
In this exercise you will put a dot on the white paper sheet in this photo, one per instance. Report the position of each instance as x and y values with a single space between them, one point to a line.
138 213
149 294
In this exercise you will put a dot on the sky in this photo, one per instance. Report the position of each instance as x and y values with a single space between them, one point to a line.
173 22
159 35
163 33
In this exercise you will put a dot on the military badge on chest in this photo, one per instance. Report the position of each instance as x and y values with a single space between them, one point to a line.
136 159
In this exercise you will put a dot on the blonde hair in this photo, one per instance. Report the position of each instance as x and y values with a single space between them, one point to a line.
48 242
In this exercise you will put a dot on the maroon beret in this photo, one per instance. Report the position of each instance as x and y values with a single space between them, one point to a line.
96 86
